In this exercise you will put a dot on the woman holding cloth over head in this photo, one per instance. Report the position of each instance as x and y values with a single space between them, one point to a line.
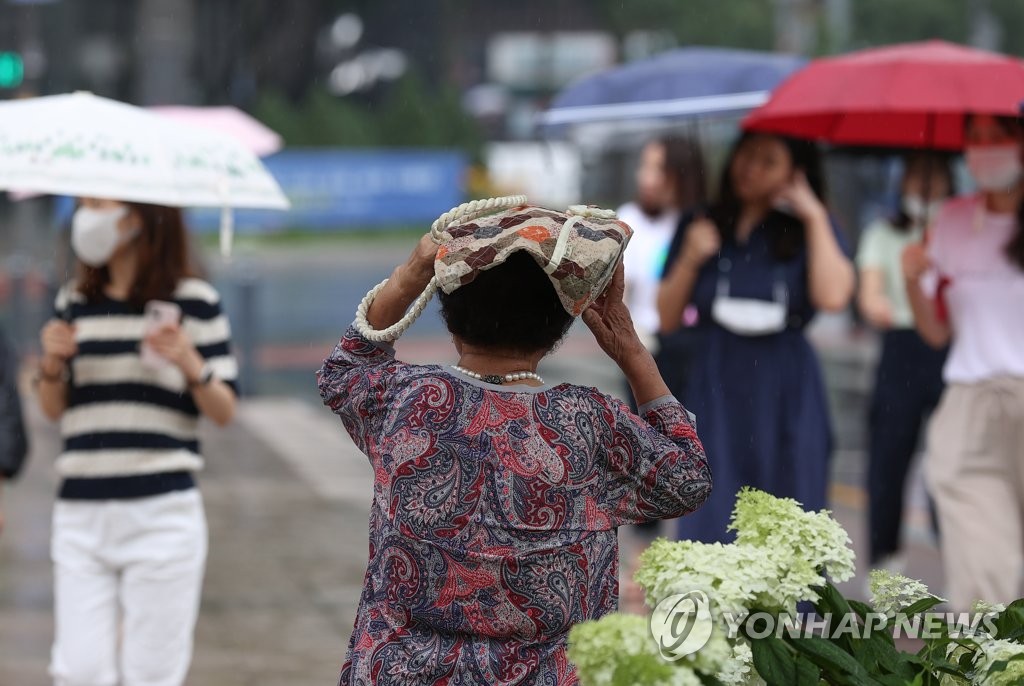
497 496
129 533
757 267
975 452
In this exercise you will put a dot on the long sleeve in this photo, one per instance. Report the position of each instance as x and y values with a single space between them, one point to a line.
354 381
657 466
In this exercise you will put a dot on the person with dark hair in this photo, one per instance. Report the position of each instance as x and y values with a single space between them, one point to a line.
129 533
669 181
908 379
757 266
974 460
497 496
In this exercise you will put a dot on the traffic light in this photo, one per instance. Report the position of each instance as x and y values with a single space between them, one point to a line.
12 70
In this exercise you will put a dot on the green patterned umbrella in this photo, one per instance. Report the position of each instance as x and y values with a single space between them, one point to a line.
84 145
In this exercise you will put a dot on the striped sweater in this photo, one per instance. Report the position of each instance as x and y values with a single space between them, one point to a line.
128 430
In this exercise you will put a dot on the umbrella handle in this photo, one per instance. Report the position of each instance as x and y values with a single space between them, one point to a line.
227 231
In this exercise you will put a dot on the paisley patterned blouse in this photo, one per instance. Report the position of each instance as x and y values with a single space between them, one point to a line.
494 514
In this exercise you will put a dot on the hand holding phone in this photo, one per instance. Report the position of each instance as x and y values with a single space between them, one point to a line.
157 315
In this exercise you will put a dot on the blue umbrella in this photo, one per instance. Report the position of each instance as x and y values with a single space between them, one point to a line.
686 82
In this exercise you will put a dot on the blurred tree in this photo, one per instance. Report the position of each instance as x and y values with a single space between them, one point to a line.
735 23
878 22
1010 15
407 114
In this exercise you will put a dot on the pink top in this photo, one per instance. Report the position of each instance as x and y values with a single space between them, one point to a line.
985 295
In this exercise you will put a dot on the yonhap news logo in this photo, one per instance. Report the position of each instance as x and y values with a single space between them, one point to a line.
682 624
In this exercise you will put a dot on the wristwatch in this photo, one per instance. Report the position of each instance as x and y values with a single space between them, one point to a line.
205 376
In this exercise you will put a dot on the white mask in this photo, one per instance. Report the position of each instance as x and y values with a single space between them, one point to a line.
749 316
918 210
95 236
994 167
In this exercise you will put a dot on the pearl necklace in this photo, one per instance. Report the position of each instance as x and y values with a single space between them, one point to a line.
497 379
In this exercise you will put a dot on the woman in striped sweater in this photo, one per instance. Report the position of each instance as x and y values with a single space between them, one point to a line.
129 533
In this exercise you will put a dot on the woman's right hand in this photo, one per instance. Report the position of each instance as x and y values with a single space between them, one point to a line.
702 243
58 341
610 322
915 262
414 275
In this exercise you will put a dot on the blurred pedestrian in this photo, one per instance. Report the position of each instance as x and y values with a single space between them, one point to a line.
13 440
129 533
908 379
498 496
669 182
974 464
757 267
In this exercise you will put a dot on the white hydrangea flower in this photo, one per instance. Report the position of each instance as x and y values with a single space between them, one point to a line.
781 524
715 654
735 577
739 669
616 645
985 608
993 651
891 593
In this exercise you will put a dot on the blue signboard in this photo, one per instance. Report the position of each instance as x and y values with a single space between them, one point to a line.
348 189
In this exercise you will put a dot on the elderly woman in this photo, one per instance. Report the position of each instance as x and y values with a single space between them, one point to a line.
497 496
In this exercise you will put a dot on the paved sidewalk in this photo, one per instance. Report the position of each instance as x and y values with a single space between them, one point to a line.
283 577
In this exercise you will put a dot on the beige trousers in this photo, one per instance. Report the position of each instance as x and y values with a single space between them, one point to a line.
975 472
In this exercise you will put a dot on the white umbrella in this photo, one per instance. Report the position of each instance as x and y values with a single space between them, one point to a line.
83 145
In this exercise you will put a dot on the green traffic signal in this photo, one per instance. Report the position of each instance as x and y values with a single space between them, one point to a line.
12 70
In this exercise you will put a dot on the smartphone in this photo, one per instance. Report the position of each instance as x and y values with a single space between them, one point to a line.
157 314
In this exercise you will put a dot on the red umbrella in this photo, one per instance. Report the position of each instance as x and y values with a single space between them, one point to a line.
913 95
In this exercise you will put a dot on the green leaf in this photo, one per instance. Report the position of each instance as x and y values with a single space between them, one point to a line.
840 666
891 680
1010 620
774 661
807 673
862 609
922 605
878 650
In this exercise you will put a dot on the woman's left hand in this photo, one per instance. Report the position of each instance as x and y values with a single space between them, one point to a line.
172 343
799 195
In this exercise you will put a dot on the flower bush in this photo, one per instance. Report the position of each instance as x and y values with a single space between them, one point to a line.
782 556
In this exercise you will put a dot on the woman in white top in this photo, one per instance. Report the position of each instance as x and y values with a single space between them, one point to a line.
908 380
975 460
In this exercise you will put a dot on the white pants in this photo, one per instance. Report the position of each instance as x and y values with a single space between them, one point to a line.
128 574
